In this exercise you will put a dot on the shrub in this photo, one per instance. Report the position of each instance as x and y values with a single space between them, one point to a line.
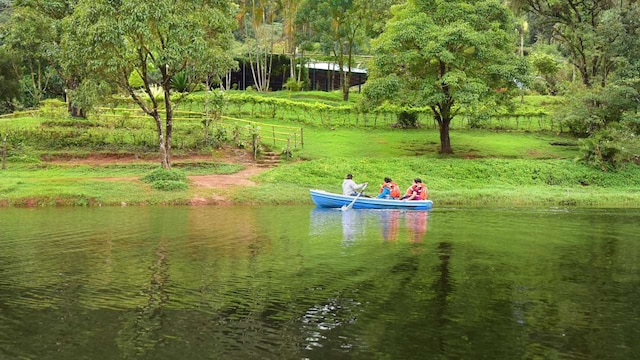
166 180
609 149
164 174
180 82
293 85
53 109
168 185
408 119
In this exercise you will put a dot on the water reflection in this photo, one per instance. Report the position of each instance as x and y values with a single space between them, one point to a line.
358 223
294 282
419 221
389 224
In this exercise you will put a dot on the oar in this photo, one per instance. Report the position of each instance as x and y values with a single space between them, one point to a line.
347 207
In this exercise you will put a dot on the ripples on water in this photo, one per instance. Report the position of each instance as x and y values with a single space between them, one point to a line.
298 282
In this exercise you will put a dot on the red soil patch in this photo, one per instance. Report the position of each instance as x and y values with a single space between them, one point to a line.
241 178
214 181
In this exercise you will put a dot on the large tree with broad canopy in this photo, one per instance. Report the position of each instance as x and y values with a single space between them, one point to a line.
447 55
109 40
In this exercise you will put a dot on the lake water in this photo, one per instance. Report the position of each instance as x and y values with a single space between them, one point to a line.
296 282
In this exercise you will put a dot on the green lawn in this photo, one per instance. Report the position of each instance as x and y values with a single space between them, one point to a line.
488 168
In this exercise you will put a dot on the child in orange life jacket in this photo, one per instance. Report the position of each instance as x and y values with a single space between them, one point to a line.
417 191
389 190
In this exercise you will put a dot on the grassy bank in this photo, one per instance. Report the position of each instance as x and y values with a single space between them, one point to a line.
478 182
69 184
495 183
489 168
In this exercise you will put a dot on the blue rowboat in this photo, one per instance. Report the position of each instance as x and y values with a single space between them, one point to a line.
324 199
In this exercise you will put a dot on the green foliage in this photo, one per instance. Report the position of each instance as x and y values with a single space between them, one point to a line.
32 35
631 121
164 174
590 110
220 136
169 185
180 82
135 80
9 82
53 109
408 119
109 40
547 68
293 85
610 149
166 180
89 94
445 55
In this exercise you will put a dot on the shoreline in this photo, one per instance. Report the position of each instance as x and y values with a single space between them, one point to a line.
456 198
238 181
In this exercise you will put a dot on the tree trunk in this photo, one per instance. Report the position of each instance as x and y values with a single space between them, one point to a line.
445 142
301 62
72 109
206 115
75 111
343 76
166 163
161 140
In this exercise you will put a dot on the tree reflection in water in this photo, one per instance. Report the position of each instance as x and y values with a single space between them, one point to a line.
142 328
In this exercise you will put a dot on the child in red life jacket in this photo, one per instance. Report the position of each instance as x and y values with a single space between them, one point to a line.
389 190
417 191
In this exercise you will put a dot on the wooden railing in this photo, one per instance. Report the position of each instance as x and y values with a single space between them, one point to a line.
288 136
17 114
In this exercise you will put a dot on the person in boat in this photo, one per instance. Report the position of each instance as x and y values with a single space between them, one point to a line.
417 191
350 188
389 190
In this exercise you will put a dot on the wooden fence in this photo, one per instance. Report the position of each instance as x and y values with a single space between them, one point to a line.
273 135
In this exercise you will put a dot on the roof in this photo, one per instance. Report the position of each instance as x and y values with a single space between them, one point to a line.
328 66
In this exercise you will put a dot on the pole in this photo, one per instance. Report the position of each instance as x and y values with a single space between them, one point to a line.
4 151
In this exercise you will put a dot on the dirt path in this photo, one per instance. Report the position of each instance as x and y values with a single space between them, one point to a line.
215 181
241 178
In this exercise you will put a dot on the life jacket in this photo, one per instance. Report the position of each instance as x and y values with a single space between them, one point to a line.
394 190
422 191
424 195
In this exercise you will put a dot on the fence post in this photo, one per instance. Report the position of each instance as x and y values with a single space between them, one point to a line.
4 151
273 130
301 139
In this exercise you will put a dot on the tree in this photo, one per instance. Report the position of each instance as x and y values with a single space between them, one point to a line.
260 32
575 24
547 67
108 40
447 56
9 82
289 10
33 35
340 26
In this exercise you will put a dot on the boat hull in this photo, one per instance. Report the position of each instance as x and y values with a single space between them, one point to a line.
324 199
